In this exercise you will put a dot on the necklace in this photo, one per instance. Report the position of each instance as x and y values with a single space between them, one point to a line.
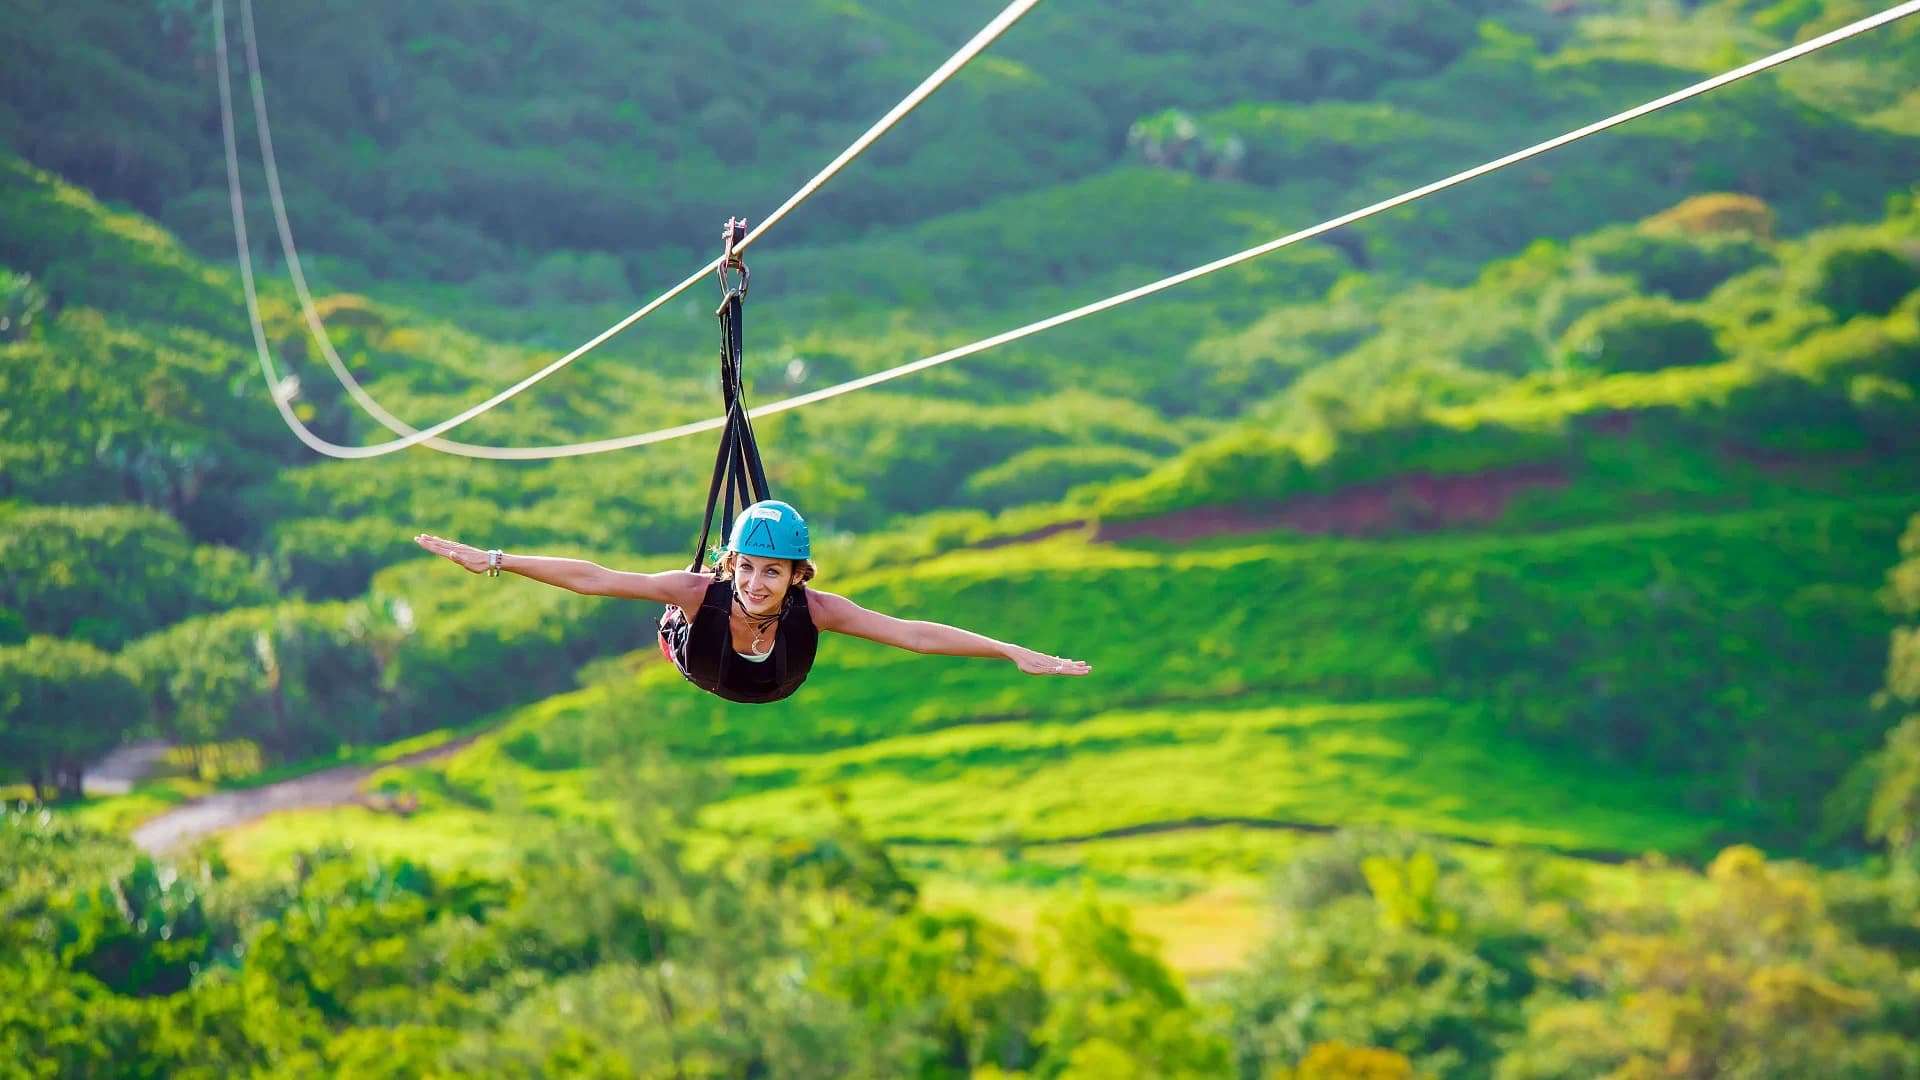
760 623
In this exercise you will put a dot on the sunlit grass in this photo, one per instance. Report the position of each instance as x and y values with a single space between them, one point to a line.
444 838
982 804
1200 935
1424 766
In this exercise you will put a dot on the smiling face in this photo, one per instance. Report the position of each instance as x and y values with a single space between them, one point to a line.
761 583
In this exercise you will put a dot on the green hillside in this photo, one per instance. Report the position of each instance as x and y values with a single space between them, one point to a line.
1473 596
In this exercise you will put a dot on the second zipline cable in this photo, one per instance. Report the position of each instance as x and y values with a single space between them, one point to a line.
410 436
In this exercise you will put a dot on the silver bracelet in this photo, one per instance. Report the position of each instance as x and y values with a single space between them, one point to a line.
493 562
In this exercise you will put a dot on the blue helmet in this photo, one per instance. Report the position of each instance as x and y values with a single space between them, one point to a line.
771 529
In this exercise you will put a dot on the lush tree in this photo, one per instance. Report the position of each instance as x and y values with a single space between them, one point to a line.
43 856
1893 816
1749 976
109 574
1902 597
55 1023
1172 140
1380 945
296 678
951 987
1568 300
1113 1007
62 704
1340 1061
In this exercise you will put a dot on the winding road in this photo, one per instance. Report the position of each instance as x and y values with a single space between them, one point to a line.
337 786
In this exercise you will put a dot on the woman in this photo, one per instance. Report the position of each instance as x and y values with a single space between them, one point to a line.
747 631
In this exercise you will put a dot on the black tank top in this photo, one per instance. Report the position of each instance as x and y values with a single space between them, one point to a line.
701 646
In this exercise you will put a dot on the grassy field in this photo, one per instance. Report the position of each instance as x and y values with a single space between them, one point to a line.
1428 767
1600 650
995 818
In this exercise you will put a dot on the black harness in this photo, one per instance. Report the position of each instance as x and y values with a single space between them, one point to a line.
739 479
702 648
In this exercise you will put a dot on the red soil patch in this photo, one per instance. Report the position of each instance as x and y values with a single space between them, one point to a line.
1611 423
1408 503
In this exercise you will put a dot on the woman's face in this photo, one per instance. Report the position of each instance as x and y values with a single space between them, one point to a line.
761 584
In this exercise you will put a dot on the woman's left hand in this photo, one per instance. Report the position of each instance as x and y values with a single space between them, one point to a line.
1039 663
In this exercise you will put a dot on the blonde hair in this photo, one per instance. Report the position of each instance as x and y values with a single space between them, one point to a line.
803 569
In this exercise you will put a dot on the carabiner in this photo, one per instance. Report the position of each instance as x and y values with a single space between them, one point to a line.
732 233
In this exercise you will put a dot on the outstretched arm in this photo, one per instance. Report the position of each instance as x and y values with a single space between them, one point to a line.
577 575
839 614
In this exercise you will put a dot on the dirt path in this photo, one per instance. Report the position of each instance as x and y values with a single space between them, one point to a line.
116 773
338 786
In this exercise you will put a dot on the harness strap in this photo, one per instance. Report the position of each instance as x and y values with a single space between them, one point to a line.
739 476
720 460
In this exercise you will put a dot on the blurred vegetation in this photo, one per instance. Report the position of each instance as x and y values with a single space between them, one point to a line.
598 952
618 950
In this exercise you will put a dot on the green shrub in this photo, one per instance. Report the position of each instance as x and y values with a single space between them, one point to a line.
1565 302
1639 335
22 304
1045 473
13 628
1863 280
1681 265
1717 214
143 933
332 558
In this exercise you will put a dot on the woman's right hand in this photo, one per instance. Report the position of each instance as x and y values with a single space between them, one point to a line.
468 557
1039 663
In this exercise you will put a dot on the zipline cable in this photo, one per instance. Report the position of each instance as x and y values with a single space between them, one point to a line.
1832 37
411 437
1811 45
315 324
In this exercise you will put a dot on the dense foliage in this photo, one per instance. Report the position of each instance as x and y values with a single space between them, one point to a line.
615 951
1893 816
108 574
592 953
62 704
